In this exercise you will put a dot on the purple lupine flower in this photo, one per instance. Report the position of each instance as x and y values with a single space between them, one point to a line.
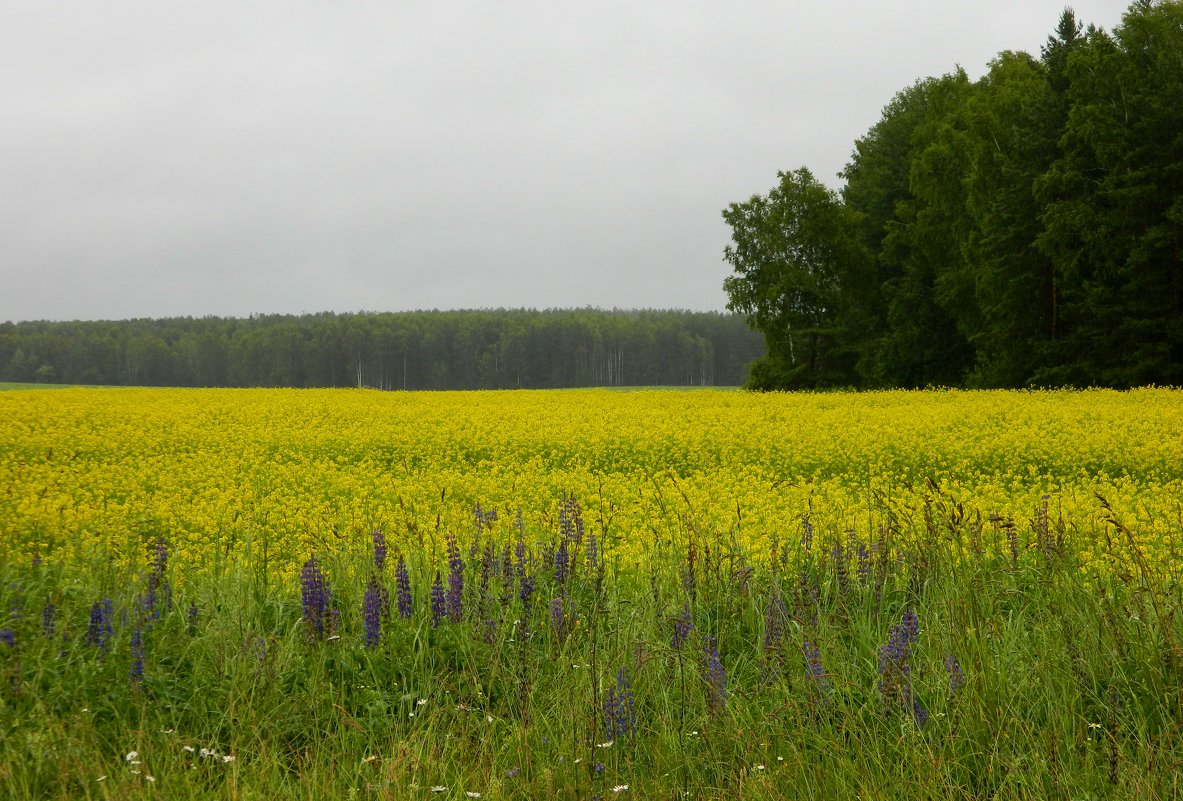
813 667
48 619
595 561
192 618
716 679
438 600
455 595
16 608
620 717
513 772
100 629
520 556
956 675
379 549
484 520
775 616
562 565
316 598
402 583
558 618
895 670
371 613
911 625
137 653
8 637
526 594
806 533
570 520
489 567
508 574
841 567
158 586
863 560
682 625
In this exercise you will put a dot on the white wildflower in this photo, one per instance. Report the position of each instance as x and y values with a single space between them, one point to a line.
228 758
439 788
132 756
472 794
620 788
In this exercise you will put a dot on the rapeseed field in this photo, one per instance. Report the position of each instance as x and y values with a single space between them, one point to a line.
221 472
210 594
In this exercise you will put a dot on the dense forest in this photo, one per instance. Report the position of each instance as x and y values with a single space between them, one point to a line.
495 349
1023 229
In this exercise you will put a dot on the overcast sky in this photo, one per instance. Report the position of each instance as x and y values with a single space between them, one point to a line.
226 158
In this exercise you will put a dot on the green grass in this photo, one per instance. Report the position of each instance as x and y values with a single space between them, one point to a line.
1072 682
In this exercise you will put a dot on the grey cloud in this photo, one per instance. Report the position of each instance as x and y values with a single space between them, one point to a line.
227 158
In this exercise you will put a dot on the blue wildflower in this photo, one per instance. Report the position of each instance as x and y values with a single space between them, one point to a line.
316 598
372 612
813 667
776 615
620 717
562 565
137 653
402 583
455 580
895 670
559 617
100 629
956 675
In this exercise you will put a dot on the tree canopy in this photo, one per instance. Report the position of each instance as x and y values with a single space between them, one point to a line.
481 349
1022 229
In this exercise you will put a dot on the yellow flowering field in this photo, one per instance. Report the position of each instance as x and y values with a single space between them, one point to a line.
228 474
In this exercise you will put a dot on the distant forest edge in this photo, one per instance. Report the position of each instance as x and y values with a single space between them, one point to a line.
428 350
1023 229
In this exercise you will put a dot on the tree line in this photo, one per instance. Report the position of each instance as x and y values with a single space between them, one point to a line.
480 349
1023 229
